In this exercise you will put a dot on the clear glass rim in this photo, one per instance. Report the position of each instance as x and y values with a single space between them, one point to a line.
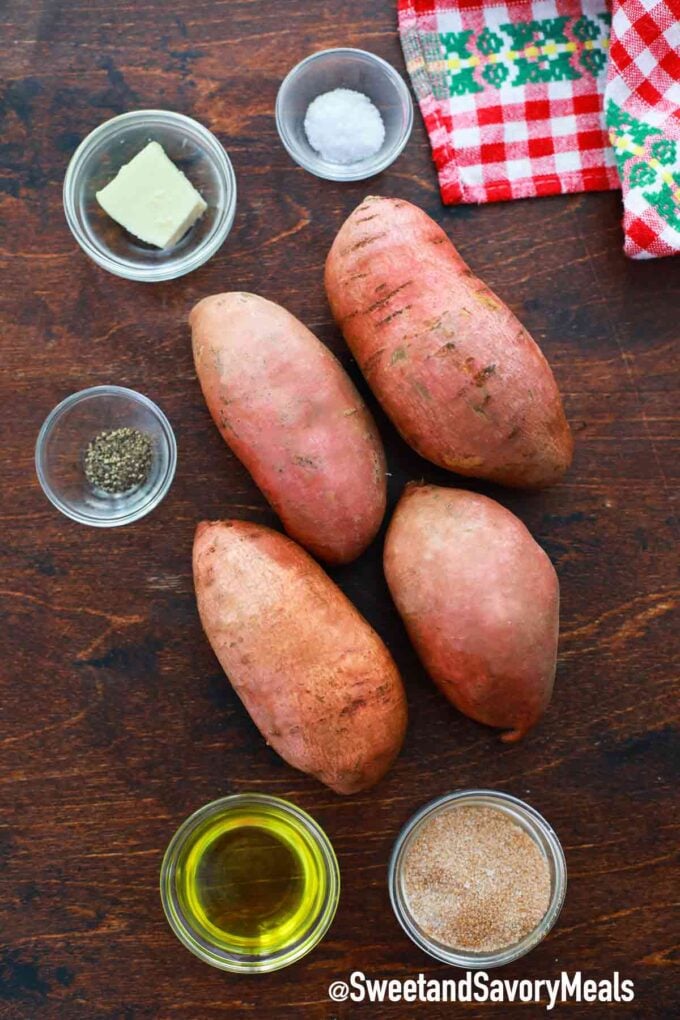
220 958
171 269
155 495
460 958
331 171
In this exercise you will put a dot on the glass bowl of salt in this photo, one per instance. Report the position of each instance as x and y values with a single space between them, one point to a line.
344 114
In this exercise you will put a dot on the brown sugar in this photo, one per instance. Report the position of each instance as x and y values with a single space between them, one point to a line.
474 880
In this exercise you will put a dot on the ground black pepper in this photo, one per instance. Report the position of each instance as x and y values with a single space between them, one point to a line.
118 459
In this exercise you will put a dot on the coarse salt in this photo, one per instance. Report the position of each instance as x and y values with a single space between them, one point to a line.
344 126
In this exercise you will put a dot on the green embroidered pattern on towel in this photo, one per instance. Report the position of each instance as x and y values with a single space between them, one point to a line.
512 94
648 160
524 52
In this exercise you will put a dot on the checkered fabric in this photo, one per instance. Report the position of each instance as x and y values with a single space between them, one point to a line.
512 94
642 103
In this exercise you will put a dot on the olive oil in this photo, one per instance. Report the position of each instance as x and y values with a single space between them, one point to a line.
251 880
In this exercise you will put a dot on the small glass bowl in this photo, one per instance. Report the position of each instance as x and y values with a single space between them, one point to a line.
97 160
533 824
61 446
348 69
183 856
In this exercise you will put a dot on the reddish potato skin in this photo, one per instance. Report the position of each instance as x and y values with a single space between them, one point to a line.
460 377
480 601
315 677
290 413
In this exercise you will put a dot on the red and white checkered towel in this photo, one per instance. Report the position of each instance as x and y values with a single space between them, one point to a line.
643 115
513 96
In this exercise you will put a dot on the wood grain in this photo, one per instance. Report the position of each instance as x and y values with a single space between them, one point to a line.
116 720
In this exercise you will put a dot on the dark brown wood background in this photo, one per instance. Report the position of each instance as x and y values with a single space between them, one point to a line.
116 719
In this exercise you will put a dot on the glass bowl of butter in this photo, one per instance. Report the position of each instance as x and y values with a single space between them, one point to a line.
150 195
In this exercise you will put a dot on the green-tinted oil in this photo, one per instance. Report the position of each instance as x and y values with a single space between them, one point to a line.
251 880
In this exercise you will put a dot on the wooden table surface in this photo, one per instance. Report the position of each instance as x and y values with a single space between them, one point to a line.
116 719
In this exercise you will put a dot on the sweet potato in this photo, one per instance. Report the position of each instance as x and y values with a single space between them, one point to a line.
290 413
315 677
460 377
480 601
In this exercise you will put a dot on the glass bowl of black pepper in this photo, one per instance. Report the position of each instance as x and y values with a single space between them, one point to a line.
106 456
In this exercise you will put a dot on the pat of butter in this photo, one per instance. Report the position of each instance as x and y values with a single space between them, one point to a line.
152 198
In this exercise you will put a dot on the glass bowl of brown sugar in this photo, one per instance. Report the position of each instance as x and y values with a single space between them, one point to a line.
477 878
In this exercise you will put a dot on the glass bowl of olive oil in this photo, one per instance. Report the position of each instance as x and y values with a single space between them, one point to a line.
250 883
